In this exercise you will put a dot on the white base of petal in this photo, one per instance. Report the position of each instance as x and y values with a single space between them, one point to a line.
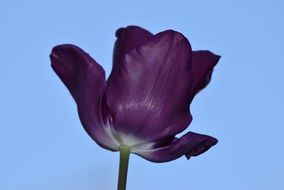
135 144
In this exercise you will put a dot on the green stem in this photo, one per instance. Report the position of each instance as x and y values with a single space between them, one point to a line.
123 167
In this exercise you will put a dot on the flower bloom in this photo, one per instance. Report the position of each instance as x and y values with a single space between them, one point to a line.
145 101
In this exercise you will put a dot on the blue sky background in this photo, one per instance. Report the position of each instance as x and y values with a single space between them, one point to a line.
42 143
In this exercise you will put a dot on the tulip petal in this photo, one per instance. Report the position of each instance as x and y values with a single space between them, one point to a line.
190 144
127 39
148 95
85 79
203 63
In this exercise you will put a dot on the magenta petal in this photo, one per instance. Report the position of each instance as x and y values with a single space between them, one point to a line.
127 39
85 79
203 63
148 95
190 144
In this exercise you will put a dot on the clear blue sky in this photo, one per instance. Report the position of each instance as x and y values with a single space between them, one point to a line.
42 143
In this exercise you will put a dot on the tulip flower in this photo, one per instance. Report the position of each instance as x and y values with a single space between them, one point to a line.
145 101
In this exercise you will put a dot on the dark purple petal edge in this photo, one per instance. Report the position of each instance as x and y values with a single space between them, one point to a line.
190 144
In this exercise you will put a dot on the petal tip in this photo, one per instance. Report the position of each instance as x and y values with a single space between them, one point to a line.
211 56
173 33
58 51
172 36
201 148
217 57
121 31
54 51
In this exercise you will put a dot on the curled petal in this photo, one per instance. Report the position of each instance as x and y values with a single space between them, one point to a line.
148 95
203 63
190 144
85 79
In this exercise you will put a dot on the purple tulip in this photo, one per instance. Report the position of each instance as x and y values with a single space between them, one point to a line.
145 101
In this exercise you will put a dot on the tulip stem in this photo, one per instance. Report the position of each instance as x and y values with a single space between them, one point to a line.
123 167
